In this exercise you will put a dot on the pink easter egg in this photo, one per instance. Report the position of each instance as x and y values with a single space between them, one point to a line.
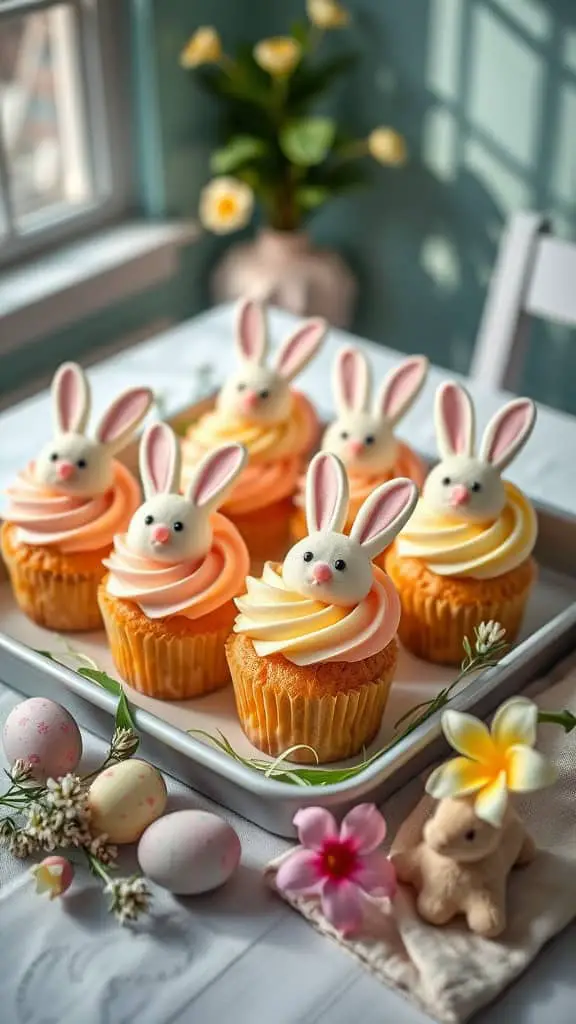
45 735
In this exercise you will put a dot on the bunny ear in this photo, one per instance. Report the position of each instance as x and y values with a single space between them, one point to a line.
383 515
251 333
351 380
123 417
71 399
454 420
401 387
299 348
159 460
507 432
215 475
326 494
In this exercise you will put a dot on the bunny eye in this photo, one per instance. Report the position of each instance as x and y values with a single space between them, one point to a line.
81 463
446 481
340 564
53 457
148 520
308 556
476 487
344 435
470 835
240 387
265 393
178 526
370 439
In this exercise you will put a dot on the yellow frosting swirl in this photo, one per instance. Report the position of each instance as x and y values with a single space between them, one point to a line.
306 632
479 551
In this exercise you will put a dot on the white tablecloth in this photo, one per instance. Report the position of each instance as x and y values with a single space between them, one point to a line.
238 954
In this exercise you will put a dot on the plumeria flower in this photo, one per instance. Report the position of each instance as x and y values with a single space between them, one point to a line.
204 47
492 762
387 147
340 864
327 13
279 55
54 876
226 205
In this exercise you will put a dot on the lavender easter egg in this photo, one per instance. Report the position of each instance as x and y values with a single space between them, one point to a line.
189 852
45 735
126 798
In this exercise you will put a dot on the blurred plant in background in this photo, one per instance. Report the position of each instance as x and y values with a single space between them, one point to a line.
279 152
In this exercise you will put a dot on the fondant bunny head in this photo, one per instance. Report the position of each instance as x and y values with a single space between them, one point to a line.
170 527
328 565
456 831
72 463
361 436
258 393
464 486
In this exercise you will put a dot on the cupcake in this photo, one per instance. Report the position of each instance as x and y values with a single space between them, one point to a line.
313 651
167 600
66 506
466 555
276 424
362 435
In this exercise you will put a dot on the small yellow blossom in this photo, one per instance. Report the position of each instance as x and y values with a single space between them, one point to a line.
279 55
226 205
204 47
387 147
327 13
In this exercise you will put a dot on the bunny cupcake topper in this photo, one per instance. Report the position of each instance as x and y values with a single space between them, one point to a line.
463 485
170 527
72 463
362 436
256 392
328 565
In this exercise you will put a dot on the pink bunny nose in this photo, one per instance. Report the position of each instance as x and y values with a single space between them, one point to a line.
459 495
250 400
356 447
322 573
65 470
161 534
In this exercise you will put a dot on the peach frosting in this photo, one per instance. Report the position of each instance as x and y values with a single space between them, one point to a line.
73 524
275 452
191 589
307 632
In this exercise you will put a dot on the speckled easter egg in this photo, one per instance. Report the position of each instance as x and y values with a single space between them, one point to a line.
125 799
43 733
189 852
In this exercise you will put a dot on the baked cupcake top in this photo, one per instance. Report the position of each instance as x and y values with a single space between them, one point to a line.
179 556
257 408
327 601
76 495
470 523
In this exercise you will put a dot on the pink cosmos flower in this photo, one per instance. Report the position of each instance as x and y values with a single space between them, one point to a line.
340 864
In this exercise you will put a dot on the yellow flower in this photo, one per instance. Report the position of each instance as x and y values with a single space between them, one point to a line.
494 762
279 55
226 205
387 146
327 13
204 47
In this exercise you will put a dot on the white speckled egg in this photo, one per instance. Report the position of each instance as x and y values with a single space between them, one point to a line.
125 799
43 733
189 852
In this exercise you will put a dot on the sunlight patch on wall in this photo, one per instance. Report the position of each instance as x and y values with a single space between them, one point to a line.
444 43
439 259
569 49
530 14
508 190
439 143
564 168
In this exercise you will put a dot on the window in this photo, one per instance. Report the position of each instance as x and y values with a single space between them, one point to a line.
60 115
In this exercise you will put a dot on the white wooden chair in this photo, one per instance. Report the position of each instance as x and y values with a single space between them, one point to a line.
534 276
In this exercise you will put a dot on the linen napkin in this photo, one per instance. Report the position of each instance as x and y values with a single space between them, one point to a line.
448 972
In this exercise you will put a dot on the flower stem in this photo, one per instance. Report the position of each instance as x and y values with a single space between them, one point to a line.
96 867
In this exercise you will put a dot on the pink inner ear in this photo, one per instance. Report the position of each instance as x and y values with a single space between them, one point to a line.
216 473
70 398
300 348
510 428
159 455
124 414
455 417
403 383
352 379
251 331
325 492
385 511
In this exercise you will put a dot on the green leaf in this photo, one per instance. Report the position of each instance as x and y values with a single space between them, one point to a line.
310 197
300 31
124 718
241 149
309 81
307 141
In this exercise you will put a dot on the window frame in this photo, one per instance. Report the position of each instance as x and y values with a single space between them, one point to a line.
103 35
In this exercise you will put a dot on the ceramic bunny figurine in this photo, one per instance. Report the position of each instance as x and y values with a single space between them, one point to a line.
170 527
363 437
328 565
461 863
255 391
463 485
72 463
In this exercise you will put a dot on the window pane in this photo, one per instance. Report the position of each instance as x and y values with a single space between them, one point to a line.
41 117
